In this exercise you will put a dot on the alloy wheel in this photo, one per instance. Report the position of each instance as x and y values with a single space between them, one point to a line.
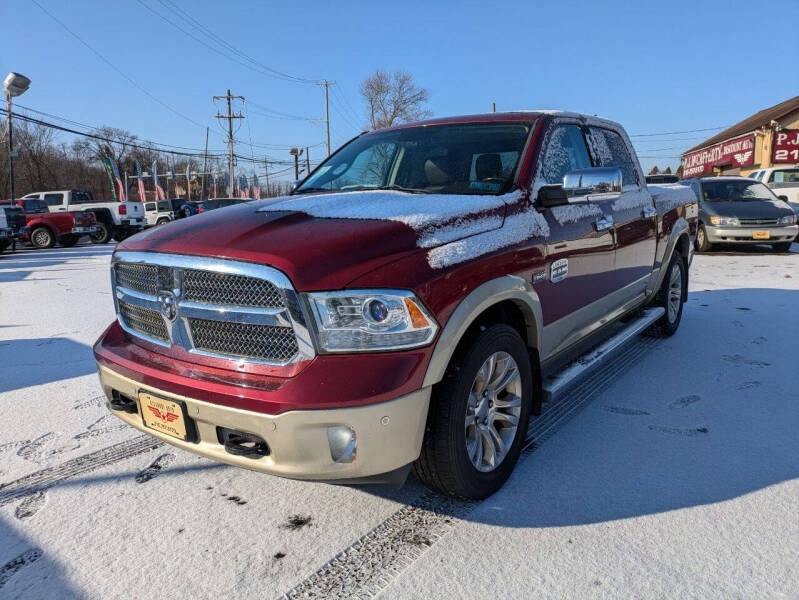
675 292
493 410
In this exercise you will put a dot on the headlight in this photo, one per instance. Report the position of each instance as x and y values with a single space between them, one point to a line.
728 221
363 320
788 220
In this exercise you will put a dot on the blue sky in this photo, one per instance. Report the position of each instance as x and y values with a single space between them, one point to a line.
656 67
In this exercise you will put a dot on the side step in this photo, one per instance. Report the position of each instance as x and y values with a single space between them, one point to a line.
558 383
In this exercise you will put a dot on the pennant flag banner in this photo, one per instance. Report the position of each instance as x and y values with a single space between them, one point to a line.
172 176
256 189
228 183
123 196
159 191
213 177
188 182
140 179
242 186
110 172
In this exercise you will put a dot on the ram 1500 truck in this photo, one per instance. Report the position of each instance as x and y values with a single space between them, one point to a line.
116 220
409 305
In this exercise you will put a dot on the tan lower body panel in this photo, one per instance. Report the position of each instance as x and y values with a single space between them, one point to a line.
389 434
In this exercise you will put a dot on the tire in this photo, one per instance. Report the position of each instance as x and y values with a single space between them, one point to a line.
102 235
782 246
42 237
671 297
702 245
162 221
68 240
446 463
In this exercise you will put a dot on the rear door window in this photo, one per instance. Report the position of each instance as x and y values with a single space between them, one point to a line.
565 151
54 199
611 151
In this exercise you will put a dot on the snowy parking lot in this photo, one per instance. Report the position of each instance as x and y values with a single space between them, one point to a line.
673 472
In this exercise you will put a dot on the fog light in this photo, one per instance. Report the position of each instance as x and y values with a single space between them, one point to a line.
342 443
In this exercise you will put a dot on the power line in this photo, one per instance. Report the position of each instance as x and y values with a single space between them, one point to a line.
114 67
678 132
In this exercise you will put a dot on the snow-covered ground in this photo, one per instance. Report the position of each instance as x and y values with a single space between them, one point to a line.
673 474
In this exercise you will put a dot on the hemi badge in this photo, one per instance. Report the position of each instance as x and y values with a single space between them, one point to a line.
559 270
539 276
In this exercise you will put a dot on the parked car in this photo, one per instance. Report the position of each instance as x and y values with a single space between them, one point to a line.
411 304
783 180
12 226
182 208
662 178
44 228
158 213
738 210
116 220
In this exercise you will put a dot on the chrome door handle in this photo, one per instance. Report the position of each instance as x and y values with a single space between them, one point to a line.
602 223
648 212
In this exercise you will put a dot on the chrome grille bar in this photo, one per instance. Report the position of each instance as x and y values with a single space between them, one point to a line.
211 307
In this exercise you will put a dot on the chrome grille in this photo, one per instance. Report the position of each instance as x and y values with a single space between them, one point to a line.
230 290
211 307
146 321
136 276
264 342
758 221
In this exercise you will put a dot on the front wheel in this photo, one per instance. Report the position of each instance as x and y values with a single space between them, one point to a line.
782 247
702 245
101 235
478 416
671 297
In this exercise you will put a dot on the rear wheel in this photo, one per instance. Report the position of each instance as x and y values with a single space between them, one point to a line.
42 237
782 246
101 235
702 245
671 297
478 416
162 221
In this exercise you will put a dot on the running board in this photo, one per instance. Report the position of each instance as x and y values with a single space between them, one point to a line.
555 385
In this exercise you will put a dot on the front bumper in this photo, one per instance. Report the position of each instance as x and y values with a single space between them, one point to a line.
745 235
388 434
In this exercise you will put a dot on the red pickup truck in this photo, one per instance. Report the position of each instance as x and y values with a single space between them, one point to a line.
46 228
411 304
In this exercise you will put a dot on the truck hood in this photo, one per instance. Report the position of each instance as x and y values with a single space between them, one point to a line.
325 241
749 209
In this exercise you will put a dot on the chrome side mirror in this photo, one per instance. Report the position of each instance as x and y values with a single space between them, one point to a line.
295 184
595 180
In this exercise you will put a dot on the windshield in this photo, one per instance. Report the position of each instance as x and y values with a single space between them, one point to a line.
739 190
464 158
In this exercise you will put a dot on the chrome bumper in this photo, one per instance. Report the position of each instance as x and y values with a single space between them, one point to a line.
744 235
388 435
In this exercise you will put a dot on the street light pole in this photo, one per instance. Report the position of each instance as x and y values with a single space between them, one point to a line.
13 85
10 151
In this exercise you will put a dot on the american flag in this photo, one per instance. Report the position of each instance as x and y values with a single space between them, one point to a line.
140 180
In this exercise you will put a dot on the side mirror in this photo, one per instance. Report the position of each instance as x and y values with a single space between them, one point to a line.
596 180
783 198
295 184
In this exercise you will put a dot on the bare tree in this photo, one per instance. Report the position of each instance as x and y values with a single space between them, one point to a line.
393 98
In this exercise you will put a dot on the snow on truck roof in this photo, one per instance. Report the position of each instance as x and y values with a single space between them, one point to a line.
516 115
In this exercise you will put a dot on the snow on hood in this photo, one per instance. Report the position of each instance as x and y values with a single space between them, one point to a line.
455 227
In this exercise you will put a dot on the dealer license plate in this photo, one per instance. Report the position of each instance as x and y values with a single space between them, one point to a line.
761 235
165 416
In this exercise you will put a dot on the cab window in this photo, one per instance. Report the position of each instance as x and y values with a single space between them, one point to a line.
54 199
149 206
565 151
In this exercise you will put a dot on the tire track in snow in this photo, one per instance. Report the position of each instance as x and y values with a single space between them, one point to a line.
51 476
368 566
11 567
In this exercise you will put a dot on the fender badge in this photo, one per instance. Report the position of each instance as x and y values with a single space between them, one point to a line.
539 276
559 270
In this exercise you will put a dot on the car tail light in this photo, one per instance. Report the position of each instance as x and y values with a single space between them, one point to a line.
123 210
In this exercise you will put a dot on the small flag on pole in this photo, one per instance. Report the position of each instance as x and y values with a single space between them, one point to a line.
140 180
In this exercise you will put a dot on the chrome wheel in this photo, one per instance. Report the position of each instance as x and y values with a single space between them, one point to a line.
700 237
674 298
41 238
492 414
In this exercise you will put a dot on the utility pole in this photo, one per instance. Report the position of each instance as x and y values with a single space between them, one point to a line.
266 169
327 114
307 161
205 166
229 116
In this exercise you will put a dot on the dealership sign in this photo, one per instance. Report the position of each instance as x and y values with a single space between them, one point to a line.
786 146
740 152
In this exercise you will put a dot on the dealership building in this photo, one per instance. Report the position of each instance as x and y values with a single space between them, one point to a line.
769 138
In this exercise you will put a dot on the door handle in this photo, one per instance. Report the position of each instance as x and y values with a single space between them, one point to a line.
648 212
603 223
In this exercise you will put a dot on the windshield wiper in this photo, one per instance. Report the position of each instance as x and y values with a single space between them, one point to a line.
400 188
310 189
